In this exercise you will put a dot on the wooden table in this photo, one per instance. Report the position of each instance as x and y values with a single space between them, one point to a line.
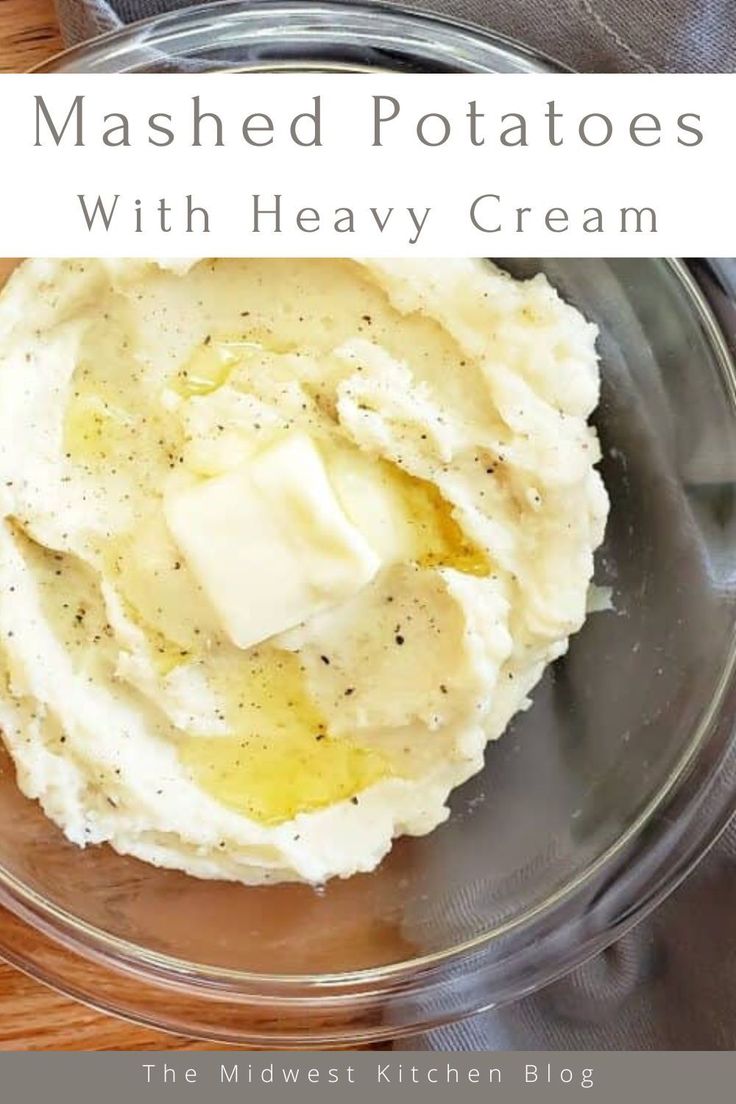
33 1017
29 34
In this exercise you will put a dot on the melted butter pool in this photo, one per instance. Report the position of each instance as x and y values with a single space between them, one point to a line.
280 761
438 539
96 429
210 365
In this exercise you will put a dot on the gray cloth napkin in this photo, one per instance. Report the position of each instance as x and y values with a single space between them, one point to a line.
671 982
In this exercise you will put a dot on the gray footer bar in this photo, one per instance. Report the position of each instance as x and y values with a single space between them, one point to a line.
366 1077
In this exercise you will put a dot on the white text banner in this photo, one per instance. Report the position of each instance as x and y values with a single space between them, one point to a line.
377 165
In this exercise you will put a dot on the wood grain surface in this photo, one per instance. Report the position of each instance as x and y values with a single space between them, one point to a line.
33 1017
29 34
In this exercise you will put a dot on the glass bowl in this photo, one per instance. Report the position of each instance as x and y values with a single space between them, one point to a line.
595 803
279 34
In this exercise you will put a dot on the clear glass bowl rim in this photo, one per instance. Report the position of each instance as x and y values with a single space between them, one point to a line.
371 22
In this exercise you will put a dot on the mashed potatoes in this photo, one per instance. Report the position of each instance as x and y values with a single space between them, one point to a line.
283 545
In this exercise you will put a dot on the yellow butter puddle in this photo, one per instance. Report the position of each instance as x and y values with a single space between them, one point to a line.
272 780
210 365
440 540
280 760
96 429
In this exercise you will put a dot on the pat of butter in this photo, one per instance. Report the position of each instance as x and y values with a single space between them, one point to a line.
269 542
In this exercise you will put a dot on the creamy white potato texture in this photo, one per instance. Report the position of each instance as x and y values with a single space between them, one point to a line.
283 544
